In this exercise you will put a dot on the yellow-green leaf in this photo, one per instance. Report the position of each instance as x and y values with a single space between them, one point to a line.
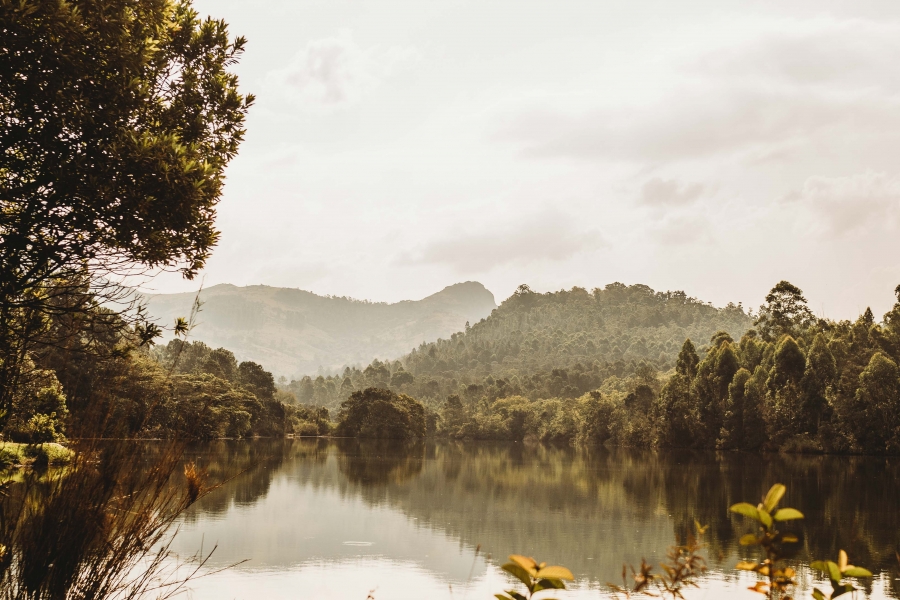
749 539
852 571
556 573
518 572
774 496
834 572
765 518
788 514
843 560
549 584
526 562
746 509
789 538
746 565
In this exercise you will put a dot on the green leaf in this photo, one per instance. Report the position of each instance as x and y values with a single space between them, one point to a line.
817 594
749 539
852 571
766 519
834 572
819 565
556 573
789 538
773 497
746 509
518 572
549 584
502 597
788 514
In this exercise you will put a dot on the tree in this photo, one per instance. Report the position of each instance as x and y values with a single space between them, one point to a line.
786 416
688 360
755 410
784 313
732 435
380 413
820 373
119 118
877 417
678 415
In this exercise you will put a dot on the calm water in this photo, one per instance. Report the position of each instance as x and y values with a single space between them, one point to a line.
326 519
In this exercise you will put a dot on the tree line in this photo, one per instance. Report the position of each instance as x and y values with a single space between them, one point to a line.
559 344
792 382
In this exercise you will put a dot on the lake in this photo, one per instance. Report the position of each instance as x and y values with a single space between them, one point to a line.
349 519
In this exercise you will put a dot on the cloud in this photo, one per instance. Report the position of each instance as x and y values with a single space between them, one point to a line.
703 123
828 86
335 71
841 205
681 230
549 236
851 55
669 192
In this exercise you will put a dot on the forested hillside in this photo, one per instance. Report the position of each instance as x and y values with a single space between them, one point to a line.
558 344
295 333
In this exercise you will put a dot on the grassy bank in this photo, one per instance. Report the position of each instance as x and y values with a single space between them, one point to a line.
20 455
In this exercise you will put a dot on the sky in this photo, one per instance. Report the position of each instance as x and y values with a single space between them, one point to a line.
715 147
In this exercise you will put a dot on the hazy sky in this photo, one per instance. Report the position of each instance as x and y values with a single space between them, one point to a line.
711 146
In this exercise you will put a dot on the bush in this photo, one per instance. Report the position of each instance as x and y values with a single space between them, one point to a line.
8 458
305 428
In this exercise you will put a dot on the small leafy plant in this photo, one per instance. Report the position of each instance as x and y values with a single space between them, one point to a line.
535 576
774 543
836 572
681 568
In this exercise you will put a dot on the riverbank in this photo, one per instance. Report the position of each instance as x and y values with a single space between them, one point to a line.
13 454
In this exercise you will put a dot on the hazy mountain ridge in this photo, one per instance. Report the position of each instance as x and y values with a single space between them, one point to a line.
295 332
543 345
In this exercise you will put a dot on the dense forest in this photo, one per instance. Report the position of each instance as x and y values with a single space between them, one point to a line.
110 384
790 382
559 344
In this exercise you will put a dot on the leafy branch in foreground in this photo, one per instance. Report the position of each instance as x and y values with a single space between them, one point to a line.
836 572
776 544
681 568
535 576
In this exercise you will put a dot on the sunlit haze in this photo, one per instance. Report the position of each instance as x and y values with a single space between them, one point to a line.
711 146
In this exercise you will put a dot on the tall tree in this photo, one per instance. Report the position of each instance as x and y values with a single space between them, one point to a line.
784 313
688 360
119 118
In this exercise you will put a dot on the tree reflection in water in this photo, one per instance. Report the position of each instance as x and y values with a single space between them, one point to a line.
588 509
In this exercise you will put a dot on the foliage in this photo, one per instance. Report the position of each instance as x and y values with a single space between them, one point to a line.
38 409
380 413
556 345
836 573
120 117
534 576
17 454
683 565
776 545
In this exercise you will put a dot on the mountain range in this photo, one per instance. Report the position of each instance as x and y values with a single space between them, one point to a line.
293 332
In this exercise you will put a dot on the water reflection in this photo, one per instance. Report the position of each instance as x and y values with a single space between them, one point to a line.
305 506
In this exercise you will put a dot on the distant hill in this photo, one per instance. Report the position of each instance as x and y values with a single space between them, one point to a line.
558 344
293 332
